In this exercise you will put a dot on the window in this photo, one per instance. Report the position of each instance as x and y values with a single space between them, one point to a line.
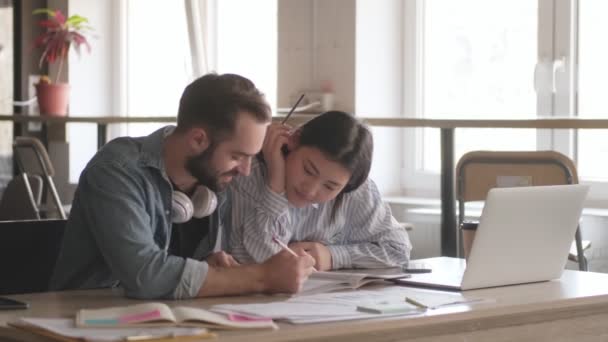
592 75
158 55
475 60
157 60
247 42
154 59
505 59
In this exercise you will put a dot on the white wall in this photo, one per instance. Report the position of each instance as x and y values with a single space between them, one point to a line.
379 84
357 45
91 79
316 44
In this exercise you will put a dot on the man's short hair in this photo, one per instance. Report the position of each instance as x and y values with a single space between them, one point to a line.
213 102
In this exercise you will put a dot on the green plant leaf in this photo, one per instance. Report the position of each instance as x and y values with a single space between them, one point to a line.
76 20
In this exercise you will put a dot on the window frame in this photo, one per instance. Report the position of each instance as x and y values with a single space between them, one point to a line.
557 39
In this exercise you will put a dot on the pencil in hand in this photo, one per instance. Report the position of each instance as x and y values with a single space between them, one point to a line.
285 247
292 109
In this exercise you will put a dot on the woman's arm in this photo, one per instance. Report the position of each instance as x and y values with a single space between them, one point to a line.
372 237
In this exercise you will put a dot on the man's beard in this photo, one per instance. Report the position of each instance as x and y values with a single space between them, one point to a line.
201 168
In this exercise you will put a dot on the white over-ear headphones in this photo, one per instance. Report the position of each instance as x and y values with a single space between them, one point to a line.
202 203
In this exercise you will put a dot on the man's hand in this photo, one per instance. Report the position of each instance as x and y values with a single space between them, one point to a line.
285 272
221 259
277 135
318 251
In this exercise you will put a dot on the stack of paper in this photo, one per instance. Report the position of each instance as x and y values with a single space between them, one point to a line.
326 307
348 305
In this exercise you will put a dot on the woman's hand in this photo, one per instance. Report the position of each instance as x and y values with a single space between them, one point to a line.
277 135
318 251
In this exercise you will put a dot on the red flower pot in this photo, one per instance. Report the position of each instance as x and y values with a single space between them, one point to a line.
53 99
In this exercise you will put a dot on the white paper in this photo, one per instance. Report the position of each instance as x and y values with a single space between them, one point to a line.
338 306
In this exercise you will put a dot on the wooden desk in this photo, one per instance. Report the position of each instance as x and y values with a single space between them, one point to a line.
447 130
572 308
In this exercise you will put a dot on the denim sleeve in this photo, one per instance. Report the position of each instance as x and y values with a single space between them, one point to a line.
115 204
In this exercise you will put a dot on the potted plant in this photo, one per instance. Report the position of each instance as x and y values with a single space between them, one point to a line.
60 34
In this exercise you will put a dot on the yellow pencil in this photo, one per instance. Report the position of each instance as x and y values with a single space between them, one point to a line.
415 303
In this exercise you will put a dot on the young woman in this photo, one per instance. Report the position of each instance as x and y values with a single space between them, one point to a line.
311 191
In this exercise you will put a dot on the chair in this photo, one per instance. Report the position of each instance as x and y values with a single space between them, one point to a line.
32 158
479 171
21 198
28 252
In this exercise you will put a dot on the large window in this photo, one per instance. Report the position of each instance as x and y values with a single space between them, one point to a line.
240 38
157 60
506 59
154 55
247 42
592 77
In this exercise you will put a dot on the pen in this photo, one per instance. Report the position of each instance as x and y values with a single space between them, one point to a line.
292 109
285 247
415 303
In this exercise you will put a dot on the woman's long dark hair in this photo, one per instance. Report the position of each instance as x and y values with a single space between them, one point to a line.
342 139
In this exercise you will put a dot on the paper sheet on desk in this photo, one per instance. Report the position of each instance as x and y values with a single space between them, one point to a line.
67 328
338 306
326 307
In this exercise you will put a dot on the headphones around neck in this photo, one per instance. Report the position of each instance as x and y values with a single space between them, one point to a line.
202 203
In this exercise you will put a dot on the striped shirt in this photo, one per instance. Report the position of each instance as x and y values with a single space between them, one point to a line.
363 234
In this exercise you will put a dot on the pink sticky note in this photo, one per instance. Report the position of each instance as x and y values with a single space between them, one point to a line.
139 317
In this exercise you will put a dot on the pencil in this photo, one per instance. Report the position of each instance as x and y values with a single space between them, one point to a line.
415 303
292 109
285 247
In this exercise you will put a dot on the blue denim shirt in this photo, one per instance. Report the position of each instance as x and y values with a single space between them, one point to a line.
120 224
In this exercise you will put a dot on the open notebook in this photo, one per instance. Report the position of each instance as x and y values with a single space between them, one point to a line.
321 282
64 329
159 314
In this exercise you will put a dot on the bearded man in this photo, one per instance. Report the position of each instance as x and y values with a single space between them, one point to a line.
119 229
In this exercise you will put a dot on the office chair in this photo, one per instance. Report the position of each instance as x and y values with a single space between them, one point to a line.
479 171
21 198
32 159
28 253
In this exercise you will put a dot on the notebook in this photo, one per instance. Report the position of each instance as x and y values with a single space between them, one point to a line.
159 314
321 282
524 236
64 329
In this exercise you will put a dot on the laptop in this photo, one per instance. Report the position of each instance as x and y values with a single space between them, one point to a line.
524 236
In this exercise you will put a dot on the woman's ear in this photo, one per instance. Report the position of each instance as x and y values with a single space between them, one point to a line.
198 139
294 140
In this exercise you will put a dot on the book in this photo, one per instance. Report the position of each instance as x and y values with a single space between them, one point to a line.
159 314
320 282
65 330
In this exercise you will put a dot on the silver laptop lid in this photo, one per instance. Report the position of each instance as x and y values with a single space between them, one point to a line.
524 235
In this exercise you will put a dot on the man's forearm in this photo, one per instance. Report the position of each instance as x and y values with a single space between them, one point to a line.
233 280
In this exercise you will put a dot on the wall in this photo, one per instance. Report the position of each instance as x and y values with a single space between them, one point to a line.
357 46
316 44
379 84
91 78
